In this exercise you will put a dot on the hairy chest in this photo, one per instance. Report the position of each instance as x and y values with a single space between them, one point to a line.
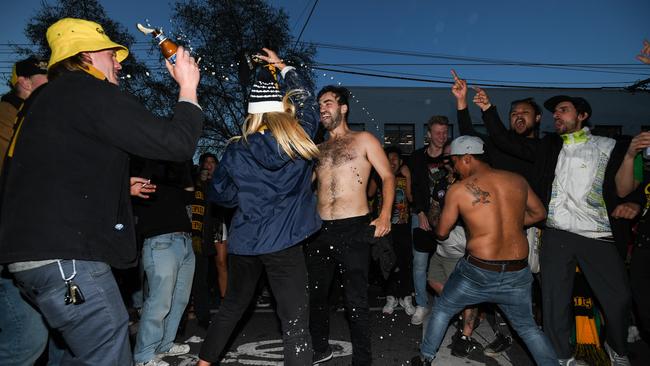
336 153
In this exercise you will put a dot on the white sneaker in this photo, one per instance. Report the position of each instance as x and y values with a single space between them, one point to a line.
176 350
567 361
617 360
391 304
154 362
420 313
407 304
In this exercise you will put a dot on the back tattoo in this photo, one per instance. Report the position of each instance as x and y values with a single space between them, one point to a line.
480 196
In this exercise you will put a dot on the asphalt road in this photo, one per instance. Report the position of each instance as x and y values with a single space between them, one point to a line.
394 342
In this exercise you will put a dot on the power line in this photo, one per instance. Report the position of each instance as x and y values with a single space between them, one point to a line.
526 82
306 22
443 81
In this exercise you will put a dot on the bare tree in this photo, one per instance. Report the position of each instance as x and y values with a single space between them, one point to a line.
221 32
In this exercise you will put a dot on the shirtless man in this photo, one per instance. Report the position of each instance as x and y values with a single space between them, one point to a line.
495 206
343 171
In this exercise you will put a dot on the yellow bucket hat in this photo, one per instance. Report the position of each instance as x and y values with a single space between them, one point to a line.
69 36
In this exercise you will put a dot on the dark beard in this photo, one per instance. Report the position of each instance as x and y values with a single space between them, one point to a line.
335 122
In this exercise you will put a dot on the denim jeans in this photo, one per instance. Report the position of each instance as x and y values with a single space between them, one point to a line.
23 333
287 276
511 291
168 262
341 245
420 264
96 332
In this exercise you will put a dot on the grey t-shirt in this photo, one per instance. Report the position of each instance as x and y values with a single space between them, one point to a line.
454 245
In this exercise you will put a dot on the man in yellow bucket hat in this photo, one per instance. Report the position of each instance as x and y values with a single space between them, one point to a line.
65 211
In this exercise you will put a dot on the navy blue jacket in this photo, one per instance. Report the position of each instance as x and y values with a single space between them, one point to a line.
276 207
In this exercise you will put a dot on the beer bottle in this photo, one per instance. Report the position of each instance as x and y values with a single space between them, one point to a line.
167 46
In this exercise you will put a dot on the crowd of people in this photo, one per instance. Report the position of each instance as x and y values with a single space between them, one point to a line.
93 183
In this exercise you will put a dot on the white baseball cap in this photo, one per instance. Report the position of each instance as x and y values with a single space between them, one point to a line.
467 145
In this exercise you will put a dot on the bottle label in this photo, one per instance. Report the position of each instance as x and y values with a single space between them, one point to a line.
172 59
160 38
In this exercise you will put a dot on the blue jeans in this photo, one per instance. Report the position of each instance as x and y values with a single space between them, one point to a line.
511 291
420 264
23 334
96 332
168 262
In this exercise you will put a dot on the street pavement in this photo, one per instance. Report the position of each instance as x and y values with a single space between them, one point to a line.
394 342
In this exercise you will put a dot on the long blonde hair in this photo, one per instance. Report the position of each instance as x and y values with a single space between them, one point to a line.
285 127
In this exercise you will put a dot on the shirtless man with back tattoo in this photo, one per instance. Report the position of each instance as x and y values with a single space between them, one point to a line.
343 170
495 206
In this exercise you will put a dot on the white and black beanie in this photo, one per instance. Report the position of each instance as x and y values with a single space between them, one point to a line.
265 95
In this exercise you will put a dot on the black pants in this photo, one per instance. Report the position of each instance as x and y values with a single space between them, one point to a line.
639 280
400 281
605 273
201 289
287 276
341 245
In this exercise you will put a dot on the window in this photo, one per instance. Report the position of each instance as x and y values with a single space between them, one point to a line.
607 130
400 135
426 136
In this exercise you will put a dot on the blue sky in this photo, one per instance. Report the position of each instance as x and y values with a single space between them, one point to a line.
581 32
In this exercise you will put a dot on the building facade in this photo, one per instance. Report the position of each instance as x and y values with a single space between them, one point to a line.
401 113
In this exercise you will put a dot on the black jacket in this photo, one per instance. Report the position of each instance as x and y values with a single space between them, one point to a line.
498 158
65 193
544 155
420 183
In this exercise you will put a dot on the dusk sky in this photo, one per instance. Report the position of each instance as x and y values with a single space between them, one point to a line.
594 41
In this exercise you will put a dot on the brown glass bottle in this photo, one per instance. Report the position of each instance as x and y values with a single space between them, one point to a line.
167 46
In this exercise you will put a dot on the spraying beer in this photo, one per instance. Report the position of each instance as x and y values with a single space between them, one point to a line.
167 46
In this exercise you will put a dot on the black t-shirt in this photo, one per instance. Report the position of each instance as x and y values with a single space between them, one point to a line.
166 210
438 177
643 228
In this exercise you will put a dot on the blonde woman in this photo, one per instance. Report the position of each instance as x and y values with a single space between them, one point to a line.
266 173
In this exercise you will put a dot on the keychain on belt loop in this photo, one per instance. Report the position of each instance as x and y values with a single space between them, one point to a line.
73 294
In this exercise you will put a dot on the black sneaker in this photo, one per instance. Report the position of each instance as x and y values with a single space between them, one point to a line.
419 361
500 344
463 345
263 301
320 357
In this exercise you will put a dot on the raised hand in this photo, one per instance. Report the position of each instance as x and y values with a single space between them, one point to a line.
186 73
272 58
459 90
638 143
481 99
